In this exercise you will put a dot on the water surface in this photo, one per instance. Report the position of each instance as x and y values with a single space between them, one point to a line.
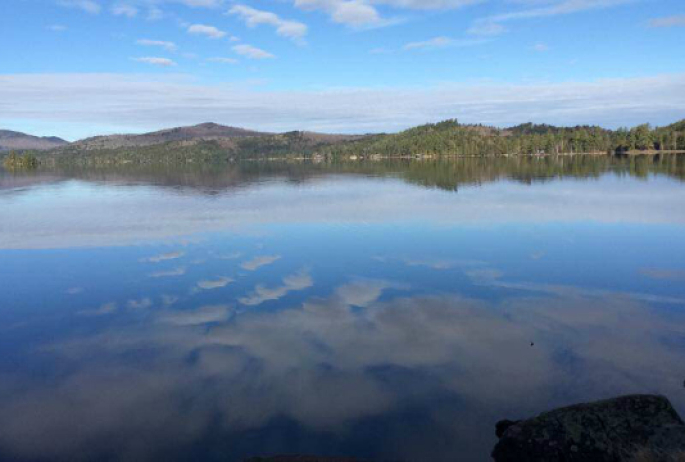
389 311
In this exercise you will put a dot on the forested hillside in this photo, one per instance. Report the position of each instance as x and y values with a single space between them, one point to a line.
451 138
444 139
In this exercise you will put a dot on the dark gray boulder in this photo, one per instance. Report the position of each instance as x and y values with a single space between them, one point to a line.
611 430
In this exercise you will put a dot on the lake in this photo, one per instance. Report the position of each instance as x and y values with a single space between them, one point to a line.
379 310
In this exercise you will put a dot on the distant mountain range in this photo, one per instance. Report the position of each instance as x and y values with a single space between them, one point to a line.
213 142
10 140
204 132
223 134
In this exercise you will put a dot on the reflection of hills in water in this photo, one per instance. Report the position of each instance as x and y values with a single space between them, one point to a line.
448 174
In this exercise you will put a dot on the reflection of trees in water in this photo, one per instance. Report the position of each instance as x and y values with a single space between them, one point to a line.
445 173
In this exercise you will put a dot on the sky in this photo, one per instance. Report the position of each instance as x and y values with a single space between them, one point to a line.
77 68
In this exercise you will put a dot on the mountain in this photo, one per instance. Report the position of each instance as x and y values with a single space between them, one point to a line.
201 132
10 140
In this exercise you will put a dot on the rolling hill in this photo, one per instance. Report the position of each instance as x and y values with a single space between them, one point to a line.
10 140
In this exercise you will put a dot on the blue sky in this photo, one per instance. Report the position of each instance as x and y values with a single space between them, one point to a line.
75 68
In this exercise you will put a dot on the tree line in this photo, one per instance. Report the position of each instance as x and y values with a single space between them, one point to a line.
444 139
452 138
25 161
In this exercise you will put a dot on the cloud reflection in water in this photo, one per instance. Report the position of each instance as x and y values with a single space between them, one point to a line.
327 366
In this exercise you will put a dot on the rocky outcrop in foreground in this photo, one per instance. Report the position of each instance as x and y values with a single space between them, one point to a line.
637 427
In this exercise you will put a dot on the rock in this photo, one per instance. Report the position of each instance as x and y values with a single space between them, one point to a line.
503 425
604 431
301 458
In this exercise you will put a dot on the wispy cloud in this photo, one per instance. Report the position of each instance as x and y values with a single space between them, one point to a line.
211 284
291 29
437 42
180 271
354 13
163 257
57 28
199 316
156 61
441 42
364 13
202 3
363 293
103 310
296 282
154 13
169 46
141 304
207 31
669 21
491 25
541 47
258 262
124 10
88 6
664 274
252 52
223 60
158 101
486 28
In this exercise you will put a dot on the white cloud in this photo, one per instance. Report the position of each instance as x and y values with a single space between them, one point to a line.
57 28
380 51
199 316
202 3
437 42
208 31
427 4
88 6
163 62
180 271
541 47
258 262
486 28
556 8
154 13
141 304
107 308
559 8
252 52
291 29
363 13
223 60
215 283
442 42
124 10
354 13
169 46
669 21
362 293
296 282
147 102
163 257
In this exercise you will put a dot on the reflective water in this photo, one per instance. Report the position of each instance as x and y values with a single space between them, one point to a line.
390 311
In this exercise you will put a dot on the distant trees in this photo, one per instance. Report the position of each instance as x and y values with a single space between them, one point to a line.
14 161
454 139
447 138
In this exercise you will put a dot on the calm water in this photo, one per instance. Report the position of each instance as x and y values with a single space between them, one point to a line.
382 311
